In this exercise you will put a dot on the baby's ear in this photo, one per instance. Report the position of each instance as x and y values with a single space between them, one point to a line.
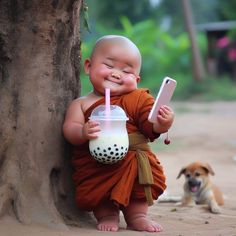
87 65
138 78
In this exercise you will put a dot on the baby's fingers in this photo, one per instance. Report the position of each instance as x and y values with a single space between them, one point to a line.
165 110
91 129
92 124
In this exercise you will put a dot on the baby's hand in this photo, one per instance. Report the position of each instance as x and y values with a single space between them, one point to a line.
165 116
165 119
91 129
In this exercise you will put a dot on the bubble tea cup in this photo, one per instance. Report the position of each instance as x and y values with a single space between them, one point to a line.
112 142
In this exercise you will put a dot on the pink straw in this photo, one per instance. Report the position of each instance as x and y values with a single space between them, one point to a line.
107 102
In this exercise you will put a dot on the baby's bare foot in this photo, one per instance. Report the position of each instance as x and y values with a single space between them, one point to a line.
108 224
141 223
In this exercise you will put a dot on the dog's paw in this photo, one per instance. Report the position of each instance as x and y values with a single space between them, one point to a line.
215 210
178 204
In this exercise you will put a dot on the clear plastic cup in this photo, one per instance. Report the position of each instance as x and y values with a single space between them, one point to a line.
112 143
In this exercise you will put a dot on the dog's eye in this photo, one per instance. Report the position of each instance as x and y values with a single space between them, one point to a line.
197 174
188 175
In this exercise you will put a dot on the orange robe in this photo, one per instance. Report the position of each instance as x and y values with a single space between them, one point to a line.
96 182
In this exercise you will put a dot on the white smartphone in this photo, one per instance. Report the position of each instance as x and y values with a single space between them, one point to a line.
163 97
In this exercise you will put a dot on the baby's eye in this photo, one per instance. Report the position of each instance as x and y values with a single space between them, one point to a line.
108 65
127 72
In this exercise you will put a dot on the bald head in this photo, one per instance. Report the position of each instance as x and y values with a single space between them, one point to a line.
124 44
116 39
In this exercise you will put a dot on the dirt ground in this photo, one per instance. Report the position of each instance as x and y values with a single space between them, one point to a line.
201 132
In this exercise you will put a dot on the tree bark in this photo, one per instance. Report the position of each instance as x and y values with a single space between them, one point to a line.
39 76
198 68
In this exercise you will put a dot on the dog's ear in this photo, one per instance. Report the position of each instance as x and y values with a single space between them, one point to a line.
208 169
182 171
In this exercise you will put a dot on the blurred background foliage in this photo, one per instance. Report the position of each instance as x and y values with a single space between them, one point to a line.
157 28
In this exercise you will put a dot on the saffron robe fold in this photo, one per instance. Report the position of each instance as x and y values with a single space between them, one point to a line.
95 182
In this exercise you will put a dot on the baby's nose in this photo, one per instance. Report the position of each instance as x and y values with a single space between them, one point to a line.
116 75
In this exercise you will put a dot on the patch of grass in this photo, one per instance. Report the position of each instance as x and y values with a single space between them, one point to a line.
219 89
158 145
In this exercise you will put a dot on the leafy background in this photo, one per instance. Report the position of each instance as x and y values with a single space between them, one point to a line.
158 31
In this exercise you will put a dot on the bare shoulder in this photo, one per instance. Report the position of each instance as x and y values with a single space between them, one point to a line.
83 103
75 111
81 100
76 104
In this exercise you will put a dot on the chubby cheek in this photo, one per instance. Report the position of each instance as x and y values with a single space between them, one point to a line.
130 83
102 72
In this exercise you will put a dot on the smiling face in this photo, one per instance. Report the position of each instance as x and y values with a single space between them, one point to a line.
196 176
115 64
195 179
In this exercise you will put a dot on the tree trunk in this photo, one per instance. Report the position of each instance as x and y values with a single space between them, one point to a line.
39 76
198 69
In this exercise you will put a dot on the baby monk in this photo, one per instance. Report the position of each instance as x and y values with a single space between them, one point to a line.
130 185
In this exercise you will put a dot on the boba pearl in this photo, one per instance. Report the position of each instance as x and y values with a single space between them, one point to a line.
110 155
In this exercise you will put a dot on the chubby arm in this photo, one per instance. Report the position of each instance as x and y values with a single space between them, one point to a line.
75 129
165 119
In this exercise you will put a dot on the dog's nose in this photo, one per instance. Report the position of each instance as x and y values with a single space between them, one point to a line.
193 182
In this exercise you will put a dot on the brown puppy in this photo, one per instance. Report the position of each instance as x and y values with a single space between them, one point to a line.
198 187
